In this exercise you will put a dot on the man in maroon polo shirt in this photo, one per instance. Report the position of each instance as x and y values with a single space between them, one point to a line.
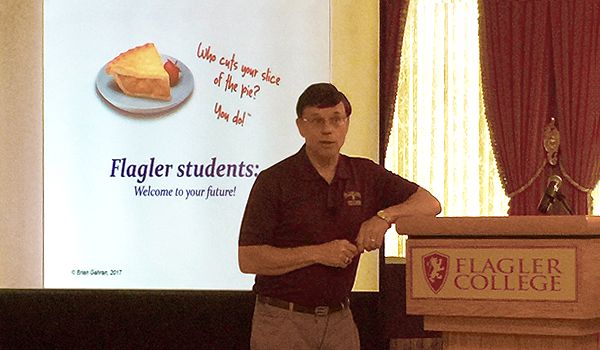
308 219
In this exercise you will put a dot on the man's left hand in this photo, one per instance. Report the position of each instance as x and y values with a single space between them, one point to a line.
370 235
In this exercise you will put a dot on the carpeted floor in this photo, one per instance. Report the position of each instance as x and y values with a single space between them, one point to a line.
416 344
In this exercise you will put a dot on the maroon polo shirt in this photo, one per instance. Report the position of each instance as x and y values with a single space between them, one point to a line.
291 205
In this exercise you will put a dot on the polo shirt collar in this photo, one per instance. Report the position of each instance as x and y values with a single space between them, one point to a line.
307 171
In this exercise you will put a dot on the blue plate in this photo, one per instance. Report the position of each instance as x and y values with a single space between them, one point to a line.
140 105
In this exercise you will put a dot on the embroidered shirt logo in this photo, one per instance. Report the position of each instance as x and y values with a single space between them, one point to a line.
435 270
353 198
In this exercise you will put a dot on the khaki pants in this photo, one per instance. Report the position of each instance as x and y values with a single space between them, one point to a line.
275 328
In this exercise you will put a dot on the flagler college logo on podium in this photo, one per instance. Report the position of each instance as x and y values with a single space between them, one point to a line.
435 268
497 272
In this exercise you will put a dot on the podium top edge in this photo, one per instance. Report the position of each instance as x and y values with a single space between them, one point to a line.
558 225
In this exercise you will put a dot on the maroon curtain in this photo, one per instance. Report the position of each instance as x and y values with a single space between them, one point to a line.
541 60
515 58
392 19
576 48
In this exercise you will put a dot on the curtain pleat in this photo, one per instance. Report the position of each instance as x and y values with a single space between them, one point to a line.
576 47
392 21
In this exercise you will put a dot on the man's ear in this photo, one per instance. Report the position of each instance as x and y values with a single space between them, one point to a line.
300 126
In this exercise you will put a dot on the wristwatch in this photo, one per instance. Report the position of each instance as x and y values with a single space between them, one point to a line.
382 215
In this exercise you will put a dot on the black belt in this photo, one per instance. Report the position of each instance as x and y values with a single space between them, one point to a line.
317 310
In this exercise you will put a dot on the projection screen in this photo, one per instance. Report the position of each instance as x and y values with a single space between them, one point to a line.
144 190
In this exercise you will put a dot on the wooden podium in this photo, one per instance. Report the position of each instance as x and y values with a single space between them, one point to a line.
523 282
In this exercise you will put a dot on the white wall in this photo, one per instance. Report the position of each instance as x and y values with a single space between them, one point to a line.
21 144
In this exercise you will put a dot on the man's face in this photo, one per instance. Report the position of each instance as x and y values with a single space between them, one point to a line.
324 129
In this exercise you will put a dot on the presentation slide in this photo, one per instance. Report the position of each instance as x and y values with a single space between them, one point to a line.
158 116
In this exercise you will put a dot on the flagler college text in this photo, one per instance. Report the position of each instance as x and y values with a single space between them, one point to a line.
508 274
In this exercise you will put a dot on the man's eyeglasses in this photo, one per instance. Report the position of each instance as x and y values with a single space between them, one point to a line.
321 122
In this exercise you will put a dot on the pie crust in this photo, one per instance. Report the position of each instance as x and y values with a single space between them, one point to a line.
139 72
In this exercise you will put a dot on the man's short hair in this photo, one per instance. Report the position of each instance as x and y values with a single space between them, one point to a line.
322 95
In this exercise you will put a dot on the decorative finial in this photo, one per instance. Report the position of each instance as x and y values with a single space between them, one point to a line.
551 141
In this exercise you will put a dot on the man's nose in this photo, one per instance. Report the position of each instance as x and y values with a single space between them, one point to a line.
328 126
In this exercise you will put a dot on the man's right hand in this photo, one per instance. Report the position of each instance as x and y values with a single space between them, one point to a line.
338 253
271 261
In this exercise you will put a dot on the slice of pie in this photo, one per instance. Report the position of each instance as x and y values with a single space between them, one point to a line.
140 72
